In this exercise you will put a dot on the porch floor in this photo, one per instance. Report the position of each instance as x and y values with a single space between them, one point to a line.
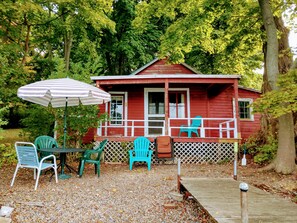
221 198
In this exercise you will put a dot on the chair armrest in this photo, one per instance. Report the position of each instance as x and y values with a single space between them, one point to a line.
87 153
47 157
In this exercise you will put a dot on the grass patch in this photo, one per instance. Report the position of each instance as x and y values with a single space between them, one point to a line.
7 139
11 136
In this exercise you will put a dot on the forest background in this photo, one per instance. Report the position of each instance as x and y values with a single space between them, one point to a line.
78 39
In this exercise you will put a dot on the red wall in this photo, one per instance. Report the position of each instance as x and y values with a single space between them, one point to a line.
160 67
249 127
218 107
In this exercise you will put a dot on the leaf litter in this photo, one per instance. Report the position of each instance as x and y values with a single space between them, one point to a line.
121 195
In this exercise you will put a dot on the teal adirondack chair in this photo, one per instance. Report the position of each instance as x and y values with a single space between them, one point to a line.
87 158
28 158
45 142
193 128
141 152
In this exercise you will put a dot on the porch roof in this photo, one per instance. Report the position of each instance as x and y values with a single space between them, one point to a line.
160 78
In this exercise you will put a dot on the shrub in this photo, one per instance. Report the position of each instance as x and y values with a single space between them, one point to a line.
261 146
266 153
7 154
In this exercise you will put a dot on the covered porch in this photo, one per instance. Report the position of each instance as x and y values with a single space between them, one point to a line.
223 128
161 99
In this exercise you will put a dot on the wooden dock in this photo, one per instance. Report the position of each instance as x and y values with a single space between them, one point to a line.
221 199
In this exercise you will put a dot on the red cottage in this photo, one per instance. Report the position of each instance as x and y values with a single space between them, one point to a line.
166 99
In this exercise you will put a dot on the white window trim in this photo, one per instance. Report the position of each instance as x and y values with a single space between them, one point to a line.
147 90
123 98
250 100
125 110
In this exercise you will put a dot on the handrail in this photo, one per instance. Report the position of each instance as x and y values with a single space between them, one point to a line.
216 126
132 125
204 128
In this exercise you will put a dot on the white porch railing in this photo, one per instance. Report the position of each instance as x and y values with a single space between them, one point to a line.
210 127
129 124
223 127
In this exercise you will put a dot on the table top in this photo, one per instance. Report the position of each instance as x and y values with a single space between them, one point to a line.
62 150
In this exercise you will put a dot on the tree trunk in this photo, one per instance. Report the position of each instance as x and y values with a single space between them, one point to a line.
271 62
285 159
26 49
67 49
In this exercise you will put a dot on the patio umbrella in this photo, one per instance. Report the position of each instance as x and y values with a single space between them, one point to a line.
63 92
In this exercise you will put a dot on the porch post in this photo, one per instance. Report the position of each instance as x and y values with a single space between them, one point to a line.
236 108
166 106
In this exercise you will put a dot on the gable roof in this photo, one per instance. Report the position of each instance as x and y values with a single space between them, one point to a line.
136 72
249 89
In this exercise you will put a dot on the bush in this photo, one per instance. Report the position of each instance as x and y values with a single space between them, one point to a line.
266 153
38 121
262 147
7 154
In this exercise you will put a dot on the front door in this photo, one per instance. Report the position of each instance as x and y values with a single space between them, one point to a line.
155 108
154 112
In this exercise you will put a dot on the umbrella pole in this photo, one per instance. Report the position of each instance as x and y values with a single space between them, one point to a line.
65 124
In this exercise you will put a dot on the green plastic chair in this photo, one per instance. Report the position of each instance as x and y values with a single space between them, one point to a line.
45 142
193 128
28 158
141 152
87 158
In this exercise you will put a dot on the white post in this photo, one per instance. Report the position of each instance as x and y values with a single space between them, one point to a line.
99 129
244 202
132 129
202 130
169 126
235 160
105 130
178 174
235 128
228 130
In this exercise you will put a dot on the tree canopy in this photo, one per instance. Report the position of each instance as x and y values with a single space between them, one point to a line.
79 39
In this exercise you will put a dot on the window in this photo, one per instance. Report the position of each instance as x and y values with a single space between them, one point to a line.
177 105
156 103
245 111
116 110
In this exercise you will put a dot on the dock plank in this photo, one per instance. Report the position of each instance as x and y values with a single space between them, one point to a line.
221 198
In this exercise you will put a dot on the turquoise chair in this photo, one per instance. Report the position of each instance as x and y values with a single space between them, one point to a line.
141 152
87 158
28 158
193 128
45 142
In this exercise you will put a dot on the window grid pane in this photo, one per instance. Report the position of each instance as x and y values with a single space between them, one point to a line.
177 105
116 110
244 110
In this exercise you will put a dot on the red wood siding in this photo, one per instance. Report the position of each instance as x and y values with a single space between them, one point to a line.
136 108
209 98
160 67
249 127
219 106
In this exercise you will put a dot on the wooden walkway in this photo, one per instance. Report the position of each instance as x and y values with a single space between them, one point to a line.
221 199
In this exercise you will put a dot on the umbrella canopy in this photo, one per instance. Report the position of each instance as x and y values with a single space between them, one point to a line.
57 91
63 92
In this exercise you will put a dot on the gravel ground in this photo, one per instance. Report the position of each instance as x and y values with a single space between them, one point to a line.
119 195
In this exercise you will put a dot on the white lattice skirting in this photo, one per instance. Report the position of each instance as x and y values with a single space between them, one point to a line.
192 152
